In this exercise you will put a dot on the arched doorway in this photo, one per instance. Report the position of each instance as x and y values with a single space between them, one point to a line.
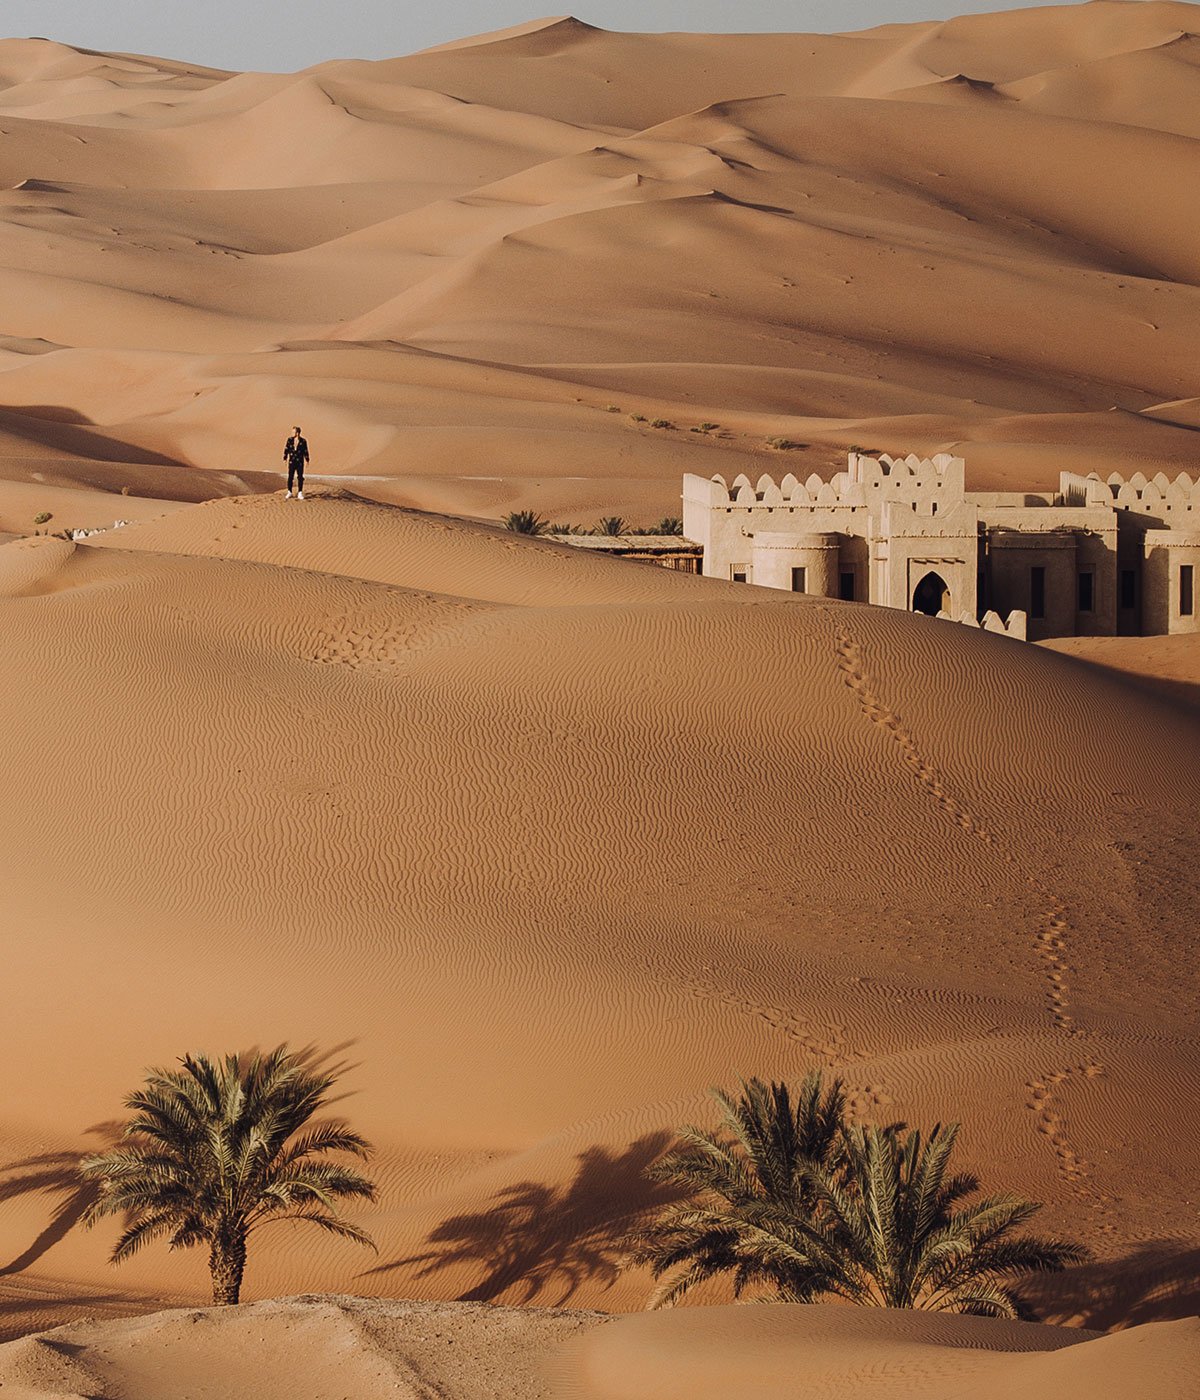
931 596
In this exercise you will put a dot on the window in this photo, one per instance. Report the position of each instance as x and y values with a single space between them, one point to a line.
739 573
1185 590
1128 589
1087 590
846 586
1037 592
934 510
799 578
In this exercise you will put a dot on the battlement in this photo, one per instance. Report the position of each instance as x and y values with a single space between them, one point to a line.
1015 625
1156 495
907 475
791 491
867 481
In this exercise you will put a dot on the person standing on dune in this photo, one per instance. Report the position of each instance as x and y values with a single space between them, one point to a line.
295 454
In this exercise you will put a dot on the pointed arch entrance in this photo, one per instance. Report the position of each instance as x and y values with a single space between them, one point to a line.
932 595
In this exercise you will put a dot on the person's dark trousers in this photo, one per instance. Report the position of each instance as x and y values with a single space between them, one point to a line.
296 473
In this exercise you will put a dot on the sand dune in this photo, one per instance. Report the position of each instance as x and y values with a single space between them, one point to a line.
410 777
325 1348
535 845
973 235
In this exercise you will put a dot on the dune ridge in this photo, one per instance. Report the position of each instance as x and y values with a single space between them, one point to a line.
325 1346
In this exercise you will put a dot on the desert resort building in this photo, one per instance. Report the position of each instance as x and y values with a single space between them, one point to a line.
1094 558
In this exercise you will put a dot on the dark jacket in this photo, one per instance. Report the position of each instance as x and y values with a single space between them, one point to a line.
295 450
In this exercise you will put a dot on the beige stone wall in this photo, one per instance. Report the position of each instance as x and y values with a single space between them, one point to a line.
885 524
1167 554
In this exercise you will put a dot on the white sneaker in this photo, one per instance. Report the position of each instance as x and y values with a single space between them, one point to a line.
287 495
299 495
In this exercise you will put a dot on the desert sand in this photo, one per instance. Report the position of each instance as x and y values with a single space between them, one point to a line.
467 271
543 845
326 1348
538 846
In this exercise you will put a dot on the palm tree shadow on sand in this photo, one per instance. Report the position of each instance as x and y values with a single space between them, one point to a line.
538 1237
56 1175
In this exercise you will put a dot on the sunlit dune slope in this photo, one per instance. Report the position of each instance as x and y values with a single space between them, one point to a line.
476 275
323 1347
544 845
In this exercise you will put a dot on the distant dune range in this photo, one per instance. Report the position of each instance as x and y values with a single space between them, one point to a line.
544 845
977 235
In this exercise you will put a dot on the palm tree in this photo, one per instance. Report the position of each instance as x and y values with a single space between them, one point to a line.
525 522
891 1234
611 525
808 1206
749 1198
215 1151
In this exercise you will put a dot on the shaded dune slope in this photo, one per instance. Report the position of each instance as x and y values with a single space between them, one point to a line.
918 237
389 783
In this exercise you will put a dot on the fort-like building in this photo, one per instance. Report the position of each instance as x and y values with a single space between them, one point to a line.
1093 558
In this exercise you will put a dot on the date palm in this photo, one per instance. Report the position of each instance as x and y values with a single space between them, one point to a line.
214 1151
749 1201
895 1232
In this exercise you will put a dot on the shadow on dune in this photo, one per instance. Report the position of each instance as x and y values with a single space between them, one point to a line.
1158 1281
538 1237
66 430
56 1175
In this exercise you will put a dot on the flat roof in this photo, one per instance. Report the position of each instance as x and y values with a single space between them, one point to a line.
659 543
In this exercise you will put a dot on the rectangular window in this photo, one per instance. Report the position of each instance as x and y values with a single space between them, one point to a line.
1128 589
1087 590
846 586
1185 590
739 573
1037 592
799 578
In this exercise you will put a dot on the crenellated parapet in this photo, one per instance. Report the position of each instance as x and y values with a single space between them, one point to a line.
791 491
1156 496
906 476
1015 625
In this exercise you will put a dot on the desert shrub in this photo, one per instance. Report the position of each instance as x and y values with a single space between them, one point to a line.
661 423
525 522
706 427
42 516
782 444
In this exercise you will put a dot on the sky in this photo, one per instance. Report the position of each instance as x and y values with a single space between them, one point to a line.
281 37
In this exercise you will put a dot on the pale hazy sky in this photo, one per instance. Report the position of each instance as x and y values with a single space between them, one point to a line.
283 35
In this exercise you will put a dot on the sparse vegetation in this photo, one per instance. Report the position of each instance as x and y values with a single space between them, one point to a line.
668 525
782 444
42 516
792 1199
706 427
637 417
216 1150
611 408
611 525
525 522
661 423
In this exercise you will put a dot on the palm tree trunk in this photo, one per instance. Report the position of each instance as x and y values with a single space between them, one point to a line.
226 1263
